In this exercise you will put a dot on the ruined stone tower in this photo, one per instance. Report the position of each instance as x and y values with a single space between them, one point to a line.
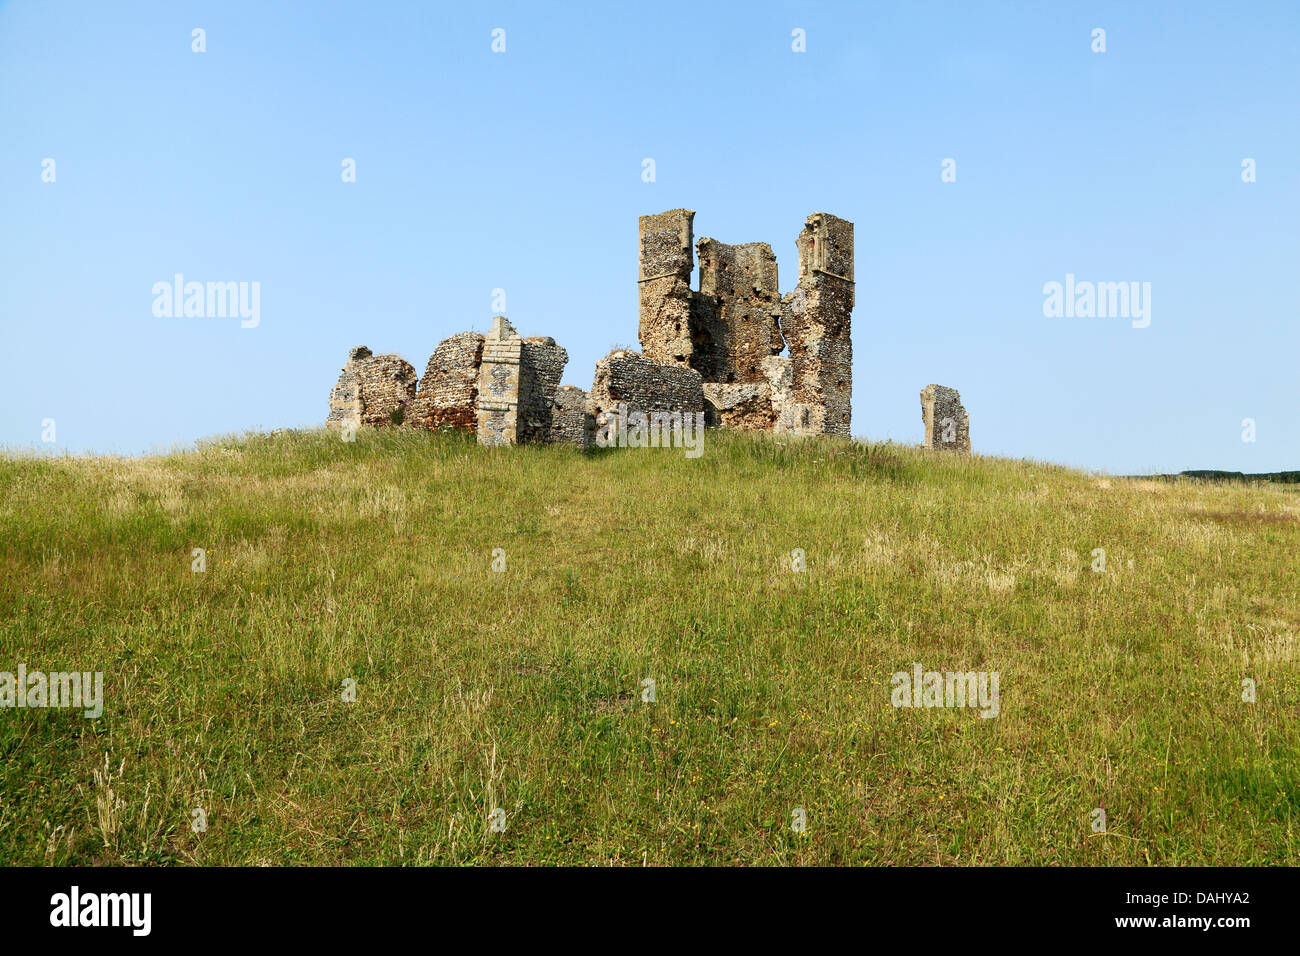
735 327
737 312
816 322
664 282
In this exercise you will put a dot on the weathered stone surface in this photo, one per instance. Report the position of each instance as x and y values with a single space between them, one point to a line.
947 426
542 365
372 390
664 286
448 393
498 385
780 383
736 319
571 424
817 327
518 380
746 406
716 351
643 385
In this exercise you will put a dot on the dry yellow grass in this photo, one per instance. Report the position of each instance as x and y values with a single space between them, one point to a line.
521 691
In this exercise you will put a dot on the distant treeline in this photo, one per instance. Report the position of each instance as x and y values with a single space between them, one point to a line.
1282 477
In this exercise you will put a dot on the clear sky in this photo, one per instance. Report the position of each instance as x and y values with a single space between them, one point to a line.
522 170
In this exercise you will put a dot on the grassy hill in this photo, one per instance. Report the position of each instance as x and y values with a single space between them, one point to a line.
521 690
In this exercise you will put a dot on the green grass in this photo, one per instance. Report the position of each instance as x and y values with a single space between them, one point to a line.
521 690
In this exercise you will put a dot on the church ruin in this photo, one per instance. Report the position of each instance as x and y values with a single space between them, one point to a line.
735 327
735 350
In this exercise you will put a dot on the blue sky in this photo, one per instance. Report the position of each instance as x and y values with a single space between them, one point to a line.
522 171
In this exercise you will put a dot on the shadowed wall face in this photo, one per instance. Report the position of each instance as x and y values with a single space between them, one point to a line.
542 365
737 315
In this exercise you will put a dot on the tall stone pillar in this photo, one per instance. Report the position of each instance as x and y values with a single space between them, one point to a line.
816 321
664 286
498 385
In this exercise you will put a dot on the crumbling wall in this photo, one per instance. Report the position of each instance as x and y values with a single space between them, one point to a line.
947 426
571 424
737 322
372 390
345 397
767 405
817 329
643 385
746 406
737 311
448 393
541 367
717 350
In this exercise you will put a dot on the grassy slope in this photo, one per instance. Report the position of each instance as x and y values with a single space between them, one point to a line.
520 690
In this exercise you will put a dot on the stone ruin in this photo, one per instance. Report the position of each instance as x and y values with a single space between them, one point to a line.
517 384
947 426
734 329
373 390
736 350
643 385
448 394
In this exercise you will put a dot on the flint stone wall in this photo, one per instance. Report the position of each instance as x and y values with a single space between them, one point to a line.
542 365
768 405
947 426
643 385
664 287
817 326
448 393
518 380
570 422
737 317
371 388
746 406
731 328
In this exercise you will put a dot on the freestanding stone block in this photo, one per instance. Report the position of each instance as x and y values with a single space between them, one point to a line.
947 426
372 390
448 393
